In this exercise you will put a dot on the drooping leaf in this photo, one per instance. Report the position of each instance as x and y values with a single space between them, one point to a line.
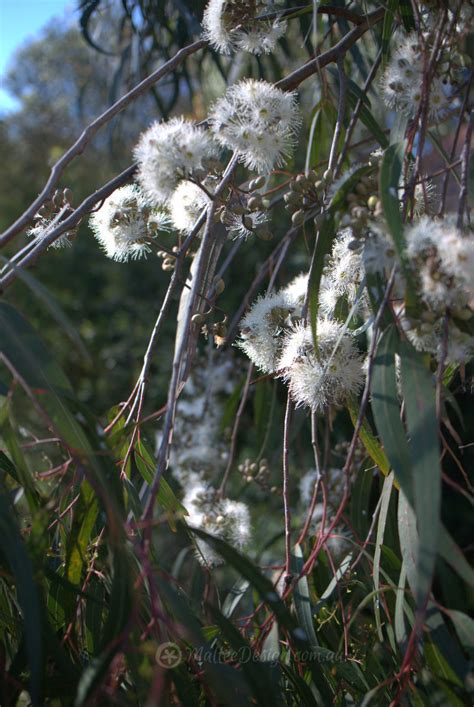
386 410
419 396
384 504
13 549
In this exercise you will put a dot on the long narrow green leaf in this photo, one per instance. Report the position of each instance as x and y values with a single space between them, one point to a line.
390 173
386 409
419 395
399 620
387 28
12 547
384 504
86 511
258 673
302 598
451 553
464 626
372 446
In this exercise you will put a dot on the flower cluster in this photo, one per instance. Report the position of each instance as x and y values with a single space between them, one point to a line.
198 448
169 152
232 25
442 262
263 326
328 375
258 122
186 205
221 517
198 456
343 274
126 223
276 339
402 83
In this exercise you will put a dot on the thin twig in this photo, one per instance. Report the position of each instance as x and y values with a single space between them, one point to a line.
355 114
68 223
341 109
466 152
294 79
286 489
235 429
86 136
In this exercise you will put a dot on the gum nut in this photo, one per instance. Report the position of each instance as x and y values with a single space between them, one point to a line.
372 201
298 217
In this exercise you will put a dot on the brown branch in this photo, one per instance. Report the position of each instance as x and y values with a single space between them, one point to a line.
466 151
235 430
334 10
181 343
69 223
88 133
286 489
355 114
294 79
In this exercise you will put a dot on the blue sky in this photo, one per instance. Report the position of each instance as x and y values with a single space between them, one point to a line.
21 20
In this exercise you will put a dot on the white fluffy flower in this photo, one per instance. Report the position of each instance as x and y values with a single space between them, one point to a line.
232 25
258 121
244 226
168 152
223 518
443 260
329 377
403 79
199 449
429 338
126 222
343 274
262 329
378 254
297 289
186 205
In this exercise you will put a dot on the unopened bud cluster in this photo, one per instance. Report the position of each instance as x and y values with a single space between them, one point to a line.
306 195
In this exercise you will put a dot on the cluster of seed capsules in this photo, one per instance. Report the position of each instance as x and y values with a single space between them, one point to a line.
363 204
306 195
258 472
